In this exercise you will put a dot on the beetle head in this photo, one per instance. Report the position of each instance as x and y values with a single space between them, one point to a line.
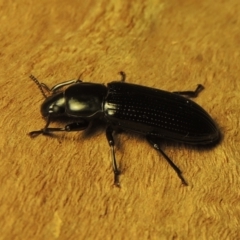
54 105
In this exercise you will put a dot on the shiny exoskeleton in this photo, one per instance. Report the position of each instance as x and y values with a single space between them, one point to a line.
154 113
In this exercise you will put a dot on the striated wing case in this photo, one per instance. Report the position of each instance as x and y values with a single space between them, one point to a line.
160 113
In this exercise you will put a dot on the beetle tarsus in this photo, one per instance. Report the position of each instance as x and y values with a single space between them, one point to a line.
123 75
115 168
116 179
35 133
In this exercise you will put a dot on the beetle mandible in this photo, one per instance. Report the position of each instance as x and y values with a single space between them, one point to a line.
153 113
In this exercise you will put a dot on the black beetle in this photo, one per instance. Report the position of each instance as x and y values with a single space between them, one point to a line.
154 113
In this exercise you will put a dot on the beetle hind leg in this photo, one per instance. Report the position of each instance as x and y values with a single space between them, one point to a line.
153 142
191 94
123 75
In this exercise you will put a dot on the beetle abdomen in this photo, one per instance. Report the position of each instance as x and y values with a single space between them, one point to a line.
151 111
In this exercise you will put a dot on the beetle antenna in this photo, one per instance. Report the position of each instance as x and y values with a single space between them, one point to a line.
38 84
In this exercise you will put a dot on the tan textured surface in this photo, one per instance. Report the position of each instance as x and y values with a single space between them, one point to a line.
61 188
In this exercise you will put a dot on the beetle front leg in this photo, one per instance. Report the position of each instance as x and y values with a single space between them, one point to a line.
109 132
76 126
153 142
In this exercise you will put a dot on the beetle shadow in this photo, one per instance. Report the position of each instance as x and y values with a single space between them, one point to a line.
98 127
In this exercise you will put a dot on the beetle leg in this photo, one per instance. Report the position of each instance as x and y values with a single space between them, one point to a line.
60 85
76 126
41 131
123 75
192 94
109 132
54 88
153 141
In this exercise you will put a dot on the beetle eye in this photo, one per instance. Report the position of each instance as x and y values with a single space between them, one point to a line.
55 109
